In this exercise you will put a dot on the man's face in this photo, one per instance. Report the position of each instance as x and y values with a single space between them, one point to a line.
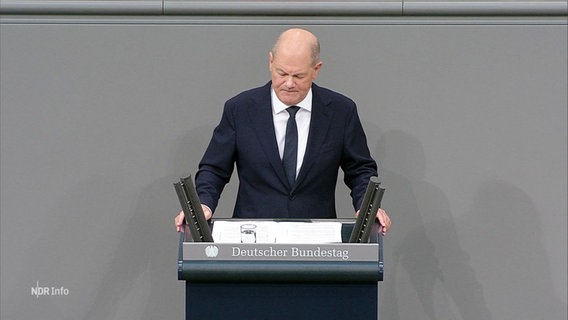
292 75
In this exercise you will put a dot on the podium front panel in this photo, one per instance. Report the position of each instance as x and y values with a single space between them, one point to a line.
281 301
282 281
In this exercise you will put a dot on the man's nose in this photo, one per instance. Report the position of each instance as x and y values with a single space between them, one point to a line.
289 82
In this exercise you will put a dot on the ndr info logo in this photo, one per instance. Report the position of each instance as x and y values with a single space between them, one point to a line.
38 291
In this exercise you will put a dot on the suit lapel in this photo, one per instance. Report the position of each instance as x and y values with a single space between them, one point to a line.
319 125
260 115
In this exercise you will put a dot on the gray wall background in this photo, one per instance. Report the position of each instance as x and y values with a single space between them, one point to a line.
467 118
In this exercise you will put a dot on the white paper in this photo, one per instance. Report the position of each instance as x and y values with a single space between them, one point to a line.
276 232
309 232
230 231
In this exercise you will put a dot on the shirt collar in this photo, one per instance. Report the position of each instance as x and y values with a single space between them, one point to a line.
278 106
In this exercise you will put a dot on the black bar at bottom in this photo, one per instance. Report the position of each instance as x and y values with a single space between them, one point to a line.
284 271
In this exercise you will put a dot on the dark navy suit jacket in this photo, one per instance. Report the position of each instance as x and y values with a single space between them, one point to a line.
245 137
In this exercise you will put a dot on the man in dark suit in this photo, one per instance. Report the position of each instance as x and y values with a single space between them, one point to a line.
254 133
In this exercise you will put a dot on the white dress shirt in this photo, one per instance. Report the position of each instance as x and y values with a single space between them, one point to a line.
280 117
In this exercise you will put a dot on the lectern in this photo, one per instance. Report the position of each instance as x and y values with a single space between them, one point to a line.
282 281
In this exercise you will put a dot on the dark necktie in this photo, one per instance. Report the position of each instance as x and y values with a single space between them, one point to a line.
290 156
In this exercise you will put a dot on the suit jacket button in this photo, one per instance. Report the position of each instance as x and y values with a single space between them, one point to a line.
292 196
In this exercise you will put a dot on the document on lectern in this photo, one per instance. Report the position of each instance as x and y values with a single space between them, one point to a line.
276 232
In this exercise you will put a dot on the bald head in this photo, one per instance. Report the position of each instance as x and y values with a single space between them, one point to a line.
294 64
299 42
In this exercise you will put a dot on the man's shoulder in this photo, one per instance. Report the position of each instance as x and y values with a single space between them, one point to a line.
254 93
331 96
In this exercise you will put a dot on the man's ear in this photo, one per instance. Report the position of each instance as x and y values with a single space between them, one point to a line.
317 68
270 59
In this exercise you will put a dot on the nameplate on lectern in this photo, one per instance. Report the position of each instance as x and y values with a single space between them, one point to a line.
346 252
